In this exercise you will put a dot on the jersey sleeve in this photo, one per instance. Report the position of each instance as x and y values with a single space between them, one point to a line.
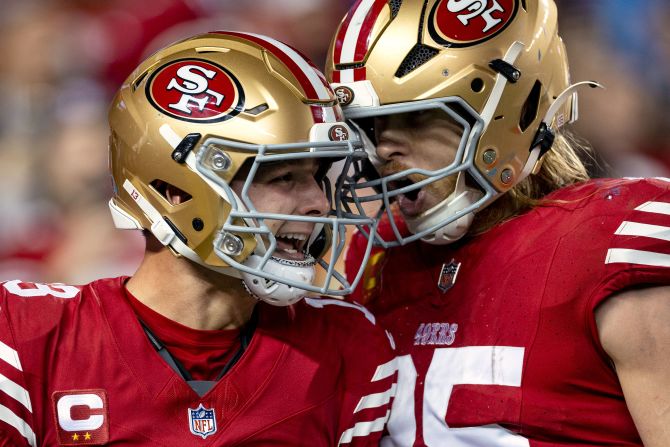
29 317
637 247
638 250
16 409
370 380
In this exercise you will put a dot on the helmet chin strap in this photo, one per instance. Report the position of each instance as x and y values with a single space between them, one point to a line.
537 152
461 198
159 228
276 293
273 292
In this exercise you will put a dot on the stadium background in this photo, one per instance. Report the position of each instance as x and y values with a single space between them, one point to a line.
63 59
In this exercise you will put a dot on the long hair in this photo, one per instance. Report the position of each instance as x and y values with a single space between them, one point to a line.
563 165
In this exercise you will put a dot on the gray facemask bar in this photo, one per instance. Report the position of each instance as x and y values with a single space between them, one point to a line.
339 217
463 162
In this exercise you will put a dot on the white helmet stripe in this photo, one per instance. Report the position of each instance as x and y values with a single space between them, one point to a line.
317 80
310 79
329 115
353 33
346 76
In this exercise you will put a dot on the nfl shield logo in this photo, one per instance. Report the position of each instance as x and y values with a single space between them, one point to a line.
202 421
448 275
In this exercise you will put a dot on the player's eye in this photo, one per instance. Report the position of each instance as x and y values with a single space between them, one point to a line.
282 178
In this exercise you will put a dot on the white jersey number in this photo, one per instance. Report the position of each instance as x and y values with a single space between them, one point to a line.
29 290
472 365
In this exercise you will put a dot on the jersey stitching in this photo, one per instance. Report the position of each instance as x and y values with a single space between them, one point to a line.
531 349
255 395
120 351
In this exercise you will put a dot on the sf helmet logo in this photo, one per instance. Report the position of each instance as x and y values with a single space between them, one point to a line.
461 23
345 95
195 90
338 133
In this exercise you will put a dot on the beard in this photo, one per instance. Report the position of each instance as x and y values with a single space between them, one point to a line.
434 192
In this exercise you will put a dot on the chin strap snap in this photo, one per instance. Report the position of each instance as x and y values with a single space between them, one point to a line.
544 138
545 135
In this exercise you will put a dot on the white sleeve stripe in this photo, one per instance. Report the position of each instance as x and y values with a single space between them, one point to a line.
640 229
364 429
16 392
19 424
376 400
385 370
655 207
10 356
625 255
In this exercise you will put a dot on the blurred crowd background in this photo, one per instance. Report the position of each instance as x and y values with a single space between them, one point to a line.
62 60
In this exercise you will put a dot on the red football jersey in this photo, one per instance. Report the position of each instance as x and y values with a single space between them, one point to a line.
76 368
496 335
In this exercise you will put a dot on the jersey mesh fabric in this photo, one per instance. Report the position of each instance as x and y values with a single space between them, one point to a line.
510 354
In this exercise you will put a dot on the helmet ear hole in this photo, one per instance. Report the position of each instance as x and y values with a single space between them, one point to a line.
530 107
172 194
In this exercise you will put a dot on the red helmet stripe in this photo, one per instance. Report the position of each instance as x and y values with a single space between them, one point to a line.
336 76
311 80
341 34
359 74
338 114
349 75
365 33
361 17
317 113
325 114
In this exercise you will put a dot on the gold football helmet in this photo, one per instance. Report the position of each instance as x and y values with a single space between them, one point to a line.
201 111
497 68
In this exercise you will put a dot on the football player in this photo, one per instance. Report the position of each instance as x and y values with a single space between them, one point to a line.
529 304
219 149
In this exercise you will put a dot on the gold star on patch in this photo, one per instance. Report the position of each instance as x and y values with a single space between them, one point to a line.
87 436
75 437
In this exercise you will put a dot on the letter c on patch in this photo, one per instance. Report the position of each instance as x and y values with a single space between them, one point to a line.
64 409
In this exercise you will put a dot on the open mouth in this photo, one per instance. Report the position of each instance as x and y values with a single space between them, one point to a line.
410 202
291 246
411 195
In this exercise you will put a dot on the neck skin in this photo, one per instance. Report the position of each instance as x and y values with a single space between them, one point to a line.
189 293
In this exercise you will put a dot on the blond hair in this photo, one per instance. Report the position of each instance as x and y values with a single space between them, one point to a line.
563 165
